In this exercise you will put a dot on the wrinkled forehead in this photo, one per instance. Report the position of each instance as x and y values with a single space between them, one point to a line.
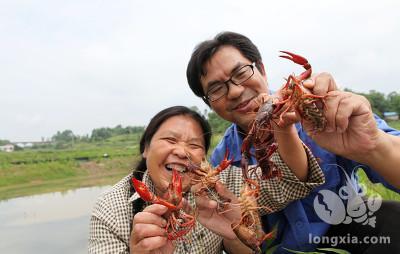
183 127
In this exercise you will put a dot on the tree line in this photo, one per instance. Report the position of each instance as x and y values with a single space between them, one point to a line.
98 134
381 103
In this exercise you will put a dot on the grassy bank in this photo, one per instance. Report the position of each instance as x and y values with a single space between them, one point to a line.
33 171
30 179
395 124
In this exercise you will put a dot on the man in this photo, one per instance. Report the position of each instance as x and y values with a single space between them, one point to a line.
353 137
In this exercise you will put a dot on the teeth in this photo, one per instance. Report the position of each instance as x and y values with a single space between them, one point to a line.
178 167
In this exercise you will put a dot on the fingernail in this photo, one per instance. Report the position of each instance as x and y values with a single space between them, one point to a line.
164 223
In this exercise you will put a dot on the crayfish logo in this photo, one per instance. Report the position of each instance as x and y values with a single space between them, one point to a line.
350 204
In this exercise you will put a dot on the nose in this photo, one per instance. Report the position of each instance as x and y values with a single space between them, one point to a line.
179 151
234 91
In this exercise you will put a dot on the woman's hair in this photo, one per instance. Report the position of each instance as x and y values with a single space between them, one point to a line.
155 124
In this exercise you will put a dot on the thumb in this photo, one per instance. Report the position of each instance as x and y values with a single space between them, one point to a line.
309 83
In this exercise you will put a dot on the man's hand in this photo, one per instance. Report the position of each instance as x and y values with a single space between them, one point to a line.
215 220
148 233
351 130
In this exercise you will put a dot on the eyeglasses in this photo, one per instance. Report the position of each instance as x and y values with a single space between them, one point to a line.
220 89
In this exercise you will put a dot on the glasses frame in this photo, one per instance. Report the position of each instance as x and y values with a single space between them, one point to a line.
230 80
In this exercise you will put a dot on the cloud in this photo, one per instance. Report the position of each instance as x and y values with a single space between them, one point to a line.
83 65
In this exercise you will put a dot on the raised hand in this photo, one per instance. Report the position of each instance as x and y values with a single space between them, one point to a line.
148 232
351 130
213 218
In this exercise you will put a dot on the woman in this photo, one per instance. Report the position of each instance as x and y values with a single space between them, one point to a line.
121 222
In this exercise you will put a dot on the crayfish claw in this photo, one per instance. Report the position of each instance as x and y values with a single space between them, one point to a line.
295 58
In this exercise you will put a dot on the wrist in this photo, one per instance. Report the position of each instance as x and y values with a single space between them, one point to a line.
378 150
284 132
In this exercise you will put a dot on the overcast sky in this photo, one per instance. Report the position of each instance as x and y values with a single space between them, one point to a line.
85 64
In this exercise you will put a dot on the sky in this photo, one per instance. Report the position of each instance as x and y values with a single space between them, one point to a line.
81 65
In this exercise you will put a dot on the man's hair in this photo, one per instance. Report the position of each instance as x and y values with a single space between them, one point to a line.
204 51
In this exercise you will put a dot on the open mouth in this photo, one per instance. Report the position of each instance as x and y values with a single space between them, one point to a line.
179 167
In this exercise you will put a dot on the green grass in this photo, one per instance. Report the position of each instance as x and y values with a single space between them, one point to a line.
34 171
377 188
29 179
46 155
394 124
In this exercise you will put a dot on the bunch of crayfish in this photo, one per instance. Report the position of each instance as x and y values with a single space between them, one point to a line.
207 176
249 229
179 223
292 97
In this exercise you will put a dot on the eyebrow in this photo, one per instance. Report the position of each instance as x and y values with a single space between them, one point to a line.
234 69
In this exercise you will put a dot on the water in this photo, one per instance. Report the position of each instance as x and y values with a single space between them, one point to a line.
49 223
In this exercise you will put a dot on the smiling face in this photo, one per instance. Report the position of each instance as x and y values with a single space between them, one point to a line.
240 100
177 138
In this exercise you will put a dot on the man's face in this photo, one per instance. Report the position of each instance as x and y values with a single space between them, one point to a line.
239 103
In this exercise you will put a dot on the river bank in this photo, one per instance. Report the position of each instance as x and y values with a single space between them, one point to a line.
28 179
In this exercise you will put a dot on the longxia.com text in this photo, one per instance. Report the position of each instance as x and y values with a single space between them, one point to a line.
348 239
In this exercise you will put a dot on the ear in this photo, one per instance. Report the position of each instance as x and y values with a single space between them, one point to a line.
144 154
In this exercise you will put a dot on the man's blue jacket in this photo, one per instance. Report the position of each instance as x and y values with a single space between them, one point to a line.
298 222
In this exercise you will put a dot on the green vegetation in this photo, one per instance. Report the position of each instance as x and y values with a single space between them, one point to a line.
30 179
381 103
378 188
68 162
4 142
71 161
394 124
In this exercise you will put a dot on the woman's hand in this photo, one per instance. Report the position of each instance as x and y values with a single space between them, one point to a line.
214 219
148 232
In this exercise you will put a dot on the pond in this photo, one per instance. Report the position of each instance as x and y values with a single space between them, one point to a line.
50 223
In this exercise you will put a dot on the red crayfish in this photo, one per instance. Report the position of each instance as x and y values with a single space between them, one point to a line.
293 96
207 175
179 223
249 229
262 138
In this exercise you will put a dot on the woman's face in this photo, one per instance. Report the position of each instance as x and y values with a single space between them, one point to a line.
178 141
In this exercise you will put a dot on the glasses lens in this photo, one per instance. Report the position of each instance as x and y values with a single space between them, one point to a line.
216 92
242 74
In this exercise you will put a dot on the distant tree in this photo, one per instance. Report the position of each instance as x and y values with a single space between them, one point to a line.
118 130
63 137
18 148
101 134
4 142
218 125
394 101
134 129
195 108
84 138
378 102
